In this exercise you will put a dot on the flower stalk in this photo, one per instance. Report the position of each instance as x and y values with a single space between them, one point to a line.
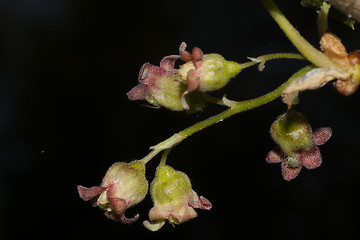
305 48
238 107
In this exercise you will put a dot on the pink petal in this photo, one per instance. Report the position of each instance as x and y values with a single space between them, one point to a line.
321 135
275 156
201 203
119 204
193 80
168 62
112 215
311 159
185 55
197 56
144 71
139 92
158 213
182 216
126 220
87 194
289 173
121 217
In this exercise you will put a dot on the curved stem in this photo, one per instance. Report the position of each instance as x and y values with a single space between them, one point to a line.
150 156
261 60
164 157
264 58
305 48
235 109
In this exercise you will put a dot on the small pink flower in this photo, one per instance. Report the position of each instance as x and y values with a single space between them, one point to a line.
123 186
291 165
149 75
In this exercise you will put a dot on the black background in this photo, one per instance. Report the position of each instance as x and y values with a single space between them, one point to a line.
65 118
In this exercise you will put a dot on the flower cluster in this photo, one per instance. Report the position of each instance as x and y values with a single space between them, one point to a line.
170 88
125 185
186 89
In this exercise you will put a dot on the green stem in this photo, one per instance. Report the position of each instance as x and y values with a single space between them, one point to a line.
235 109
264 58
261 60
164 157
305 48
322 20
150 156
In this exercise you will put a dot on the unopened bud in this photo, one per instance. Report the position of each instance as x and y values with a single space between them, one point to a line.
213 72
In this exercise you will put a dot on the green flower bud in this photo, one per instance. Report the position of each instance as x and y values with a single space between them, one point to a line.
292 132
212 72
174 200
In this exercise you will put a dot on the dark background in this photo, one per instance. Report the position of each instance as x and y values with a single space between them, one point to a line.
65 118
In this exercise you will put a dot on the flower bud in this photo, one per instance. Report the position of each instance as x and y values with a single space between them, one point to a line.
161 86
213 72
292 132
205 73
174 200
123 186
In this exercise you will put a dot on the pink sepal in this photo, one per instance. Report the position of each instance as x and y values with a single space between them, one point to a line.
311 159
288 172
87 194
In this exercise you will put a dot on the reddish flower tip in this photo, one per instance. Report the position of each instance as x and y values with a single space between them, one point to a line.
87 194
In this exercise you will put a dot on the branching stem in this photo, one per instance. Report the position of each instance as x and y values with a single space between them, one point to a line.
235 109
305 48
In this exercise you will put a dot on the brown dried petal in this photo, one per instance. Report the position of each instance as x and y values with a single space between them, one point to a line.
331 45
311 80
346 87
354 57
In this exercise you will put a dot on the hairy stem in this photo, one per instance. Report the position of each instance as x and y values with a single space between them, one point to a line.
235 109
305 48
